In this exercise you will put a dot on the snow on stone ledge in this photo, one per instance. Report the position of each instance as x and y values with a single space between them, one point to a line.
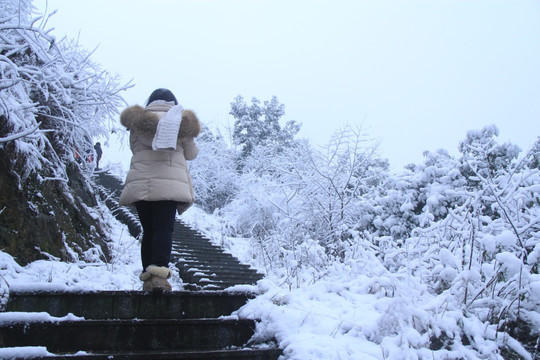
24 352
33 317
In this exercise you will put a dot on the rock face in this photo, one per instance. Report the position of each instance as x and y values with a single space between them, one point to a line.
42 218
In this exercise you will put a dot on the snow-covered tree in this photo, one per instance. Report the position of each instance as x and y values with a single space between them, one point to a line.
215 179
54 100
483 157
257 125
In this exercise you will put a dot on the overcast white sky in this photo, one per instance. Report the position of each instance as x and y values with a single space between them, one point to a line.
417 74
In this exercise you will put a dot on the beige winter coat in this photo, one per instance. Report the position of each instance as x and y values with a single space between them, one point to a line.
159 175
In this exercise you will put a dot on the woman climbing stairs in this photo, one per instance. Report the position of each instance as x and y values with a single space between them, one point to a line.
201 264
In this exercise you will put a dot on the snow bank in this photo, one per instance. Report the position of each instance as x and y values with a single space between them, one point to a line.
121 272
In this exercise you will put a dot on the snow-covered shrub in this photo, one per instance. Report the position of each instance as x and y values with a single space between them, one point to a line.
214 175
338 178
454 241
300 206
481 257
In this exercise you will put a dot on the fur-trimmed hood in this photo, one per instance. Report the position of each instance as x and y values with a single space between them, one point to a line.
145 121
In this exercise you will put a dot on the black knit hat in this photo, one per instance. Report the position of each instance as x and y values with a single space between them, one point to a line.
162 94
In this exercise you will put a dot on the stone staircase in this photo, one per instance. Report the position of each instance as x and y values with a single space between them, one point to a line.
109 189
195 323
133 325
203 265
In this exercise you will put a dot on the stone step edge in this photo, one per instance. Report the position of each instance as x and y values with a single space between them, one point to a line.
239 267
227 320
242 353
180 293
222 273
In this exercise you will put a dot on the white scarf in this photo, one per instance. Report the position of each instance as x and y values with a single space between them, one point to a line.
167 130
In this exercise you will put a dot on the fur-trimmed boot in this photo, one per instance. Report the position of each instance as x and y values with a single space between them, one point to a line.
146 279
155 278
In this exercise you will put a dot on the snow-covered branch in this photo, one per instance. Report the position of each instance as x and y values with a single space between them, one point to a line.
19 135
54 86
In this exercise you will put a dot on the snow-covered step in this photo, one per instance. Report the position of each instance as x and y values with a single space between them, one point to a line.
129 304
210 259
222 272
129 325
41 353
189 263
127 335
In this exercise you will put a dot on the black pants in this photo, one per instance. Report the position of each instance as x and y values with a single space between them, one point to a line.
157 220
